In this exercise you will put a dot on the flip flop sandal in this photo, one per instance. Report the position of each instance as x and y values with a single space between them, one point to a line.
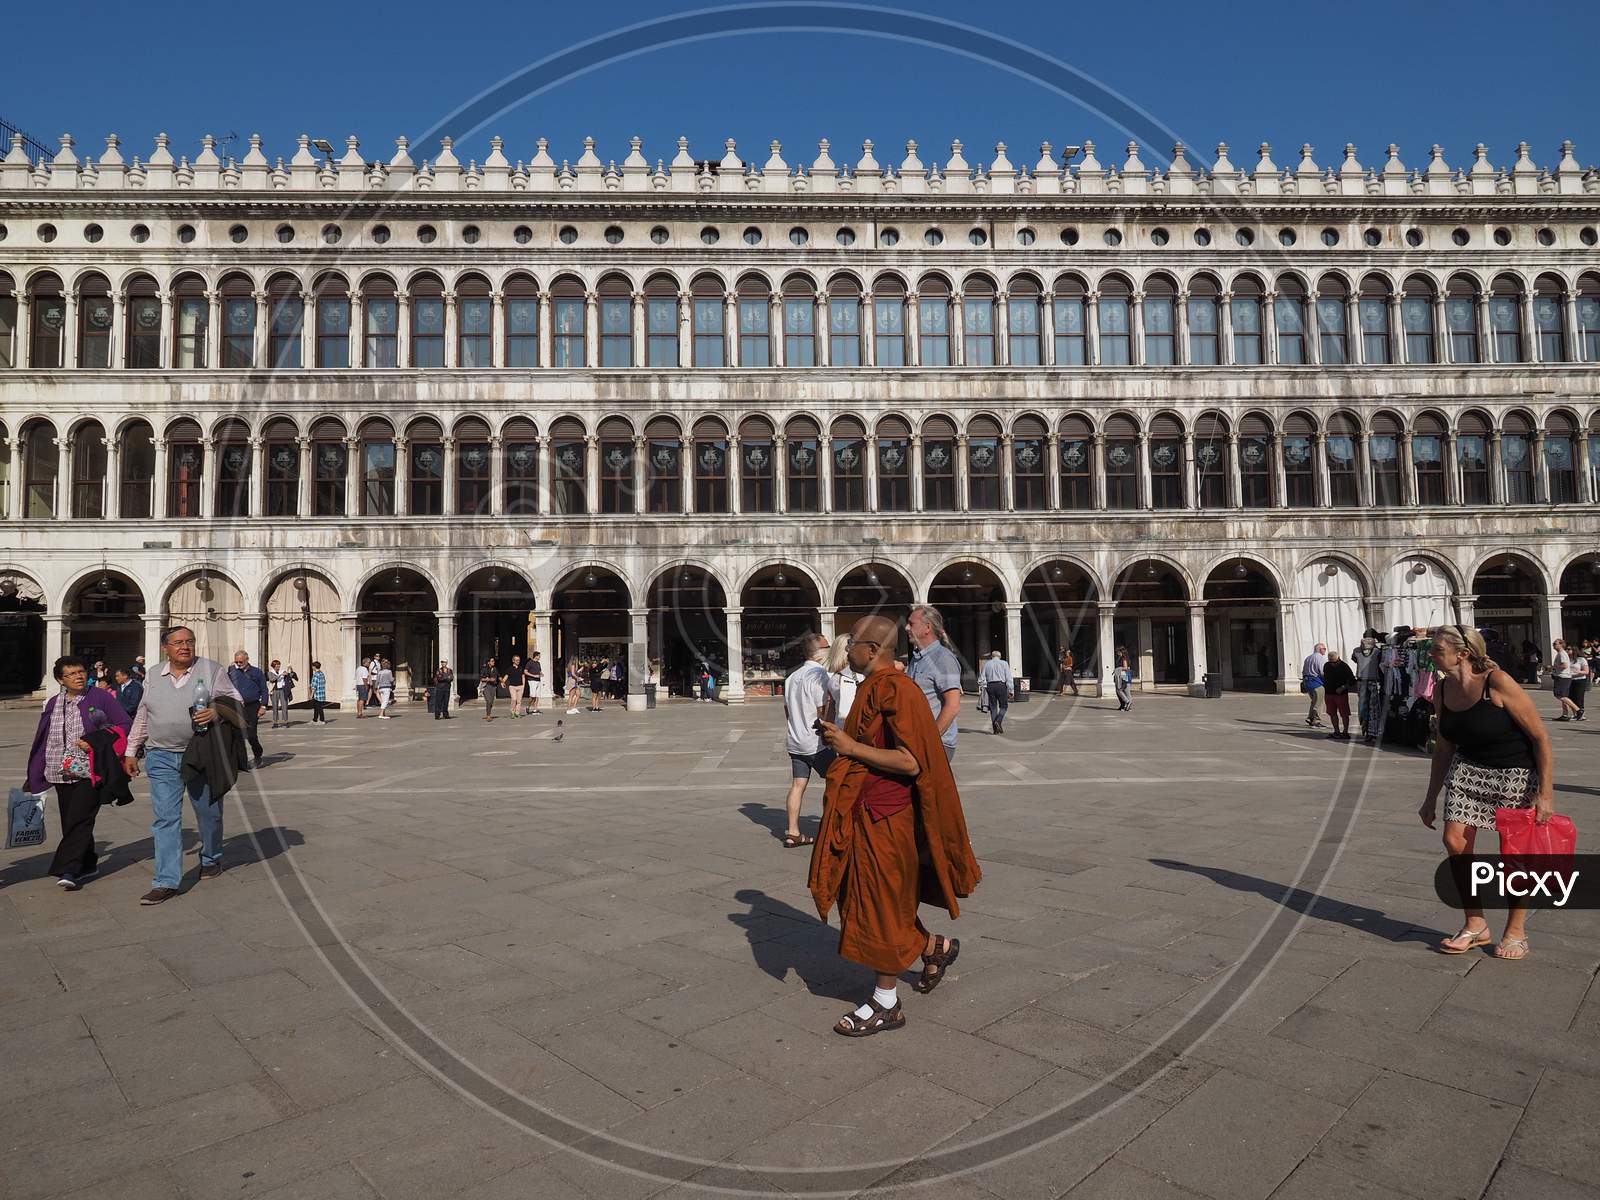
1511 941
791 840
1475 938
937 965
882 1020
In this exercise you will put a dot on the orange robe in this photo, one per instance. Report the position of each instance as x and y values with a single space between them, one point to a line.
879 871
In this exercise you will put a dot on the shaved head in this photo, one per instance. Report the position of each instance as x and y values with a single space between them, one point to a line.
872 644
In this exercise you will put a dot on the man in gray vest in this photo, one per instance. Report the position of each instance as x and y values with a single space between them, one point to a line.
166 721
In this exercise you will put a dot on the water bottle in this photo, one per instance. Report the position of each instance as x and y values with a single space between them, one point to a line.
202 699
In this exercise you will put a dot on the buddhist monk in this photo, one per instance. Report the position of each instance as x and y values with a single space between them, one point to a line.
893 834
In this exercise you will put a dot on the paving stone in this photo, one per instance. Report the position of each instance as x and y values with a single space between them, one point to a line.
1118 996
181 1058
814 1067
448 1158
1321 1179
1559 1132
58 1054
324 1061
1118 1180
1390 994
644 1065
1517 1181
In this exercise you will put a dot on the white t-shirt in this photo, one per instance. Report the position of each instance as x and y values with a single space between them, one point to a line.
1561 665
362 674
842 686
804 692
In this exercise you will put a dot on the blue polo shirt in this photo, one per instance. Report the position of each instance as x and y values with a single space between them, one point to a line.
936 670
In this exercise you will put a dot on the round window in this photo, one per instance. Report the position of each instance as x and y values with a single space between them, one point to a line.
568 234
845 237
3 232
1113 237
471 235
1547 237
284 234
1069 237
1372 237
711 235
186 234
332 235
1588 236
93 233
1159 237
47 233
1245 237
380 234
978 237
140 233
1502 237
427 234
1330 237
752 236
1460 237
933 237
1413 238
660 236
522 235
1202 237
1026 237
613 235
798 236
1287 237
238 233
889 237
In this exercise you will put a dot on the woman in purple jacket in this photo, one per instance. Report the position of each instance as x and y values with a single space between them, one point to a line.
62 755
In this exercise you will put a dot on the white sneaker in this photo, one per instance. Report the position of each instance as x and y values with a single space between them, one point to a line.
572 710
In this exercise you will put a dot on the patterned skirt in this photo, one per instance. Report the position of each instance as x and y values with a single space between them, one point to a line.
1472 792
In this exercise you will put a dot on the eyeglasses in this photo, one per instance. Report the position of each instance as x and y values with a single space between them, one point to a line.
181 642
850 641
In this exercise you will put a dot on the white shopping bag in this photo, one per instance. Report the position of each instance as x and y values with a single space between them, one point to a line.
24 819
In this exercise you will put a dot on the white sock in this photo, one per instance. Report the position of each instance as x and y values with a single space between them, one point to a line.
886 998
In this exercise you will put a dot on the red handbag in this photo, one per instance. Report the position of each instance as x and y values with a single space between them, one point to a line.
1520 834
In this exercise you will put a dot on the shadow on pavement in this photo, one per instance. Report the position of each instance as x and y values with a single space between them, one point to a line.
810 950
773 818
237 850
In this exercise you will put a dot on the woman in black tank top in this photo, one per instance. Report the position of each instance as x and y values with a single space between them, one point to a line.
1492 752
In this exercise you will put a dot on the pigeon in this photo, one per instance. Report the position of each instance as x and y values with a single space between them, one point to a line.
560 732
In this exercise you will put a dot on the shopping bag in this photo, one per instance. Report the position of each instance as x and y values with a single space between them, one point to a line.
24 819
1520 834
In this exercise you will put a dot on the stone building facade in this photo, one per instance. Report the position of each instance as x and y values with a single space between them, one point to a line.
334 406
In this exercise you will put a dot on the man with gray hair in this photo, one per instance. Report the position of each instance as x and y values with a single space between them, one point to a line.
996 680
251 684
937 671
1311 683
805 696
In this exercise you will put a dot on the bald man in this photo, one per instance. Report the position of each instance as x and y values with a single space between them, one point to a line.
893 834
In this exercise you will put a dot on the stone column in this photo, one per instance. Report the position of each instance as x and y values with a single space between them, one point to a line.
213 339
350 638
730 329
1497 482
917 498
352 483
963 474
402 329
827 620
545 487
1047 329
117 356
166 338
685 331
1008 472
735 476
591 330
1269 329
775 331
1569 327
1180 347
447 645
824 329
1197 648
734 693
1136 333
451 359
636 331
1453 493
1363 472
1091 330
304 485
637 481
260 354
254 633
546 353
685 473
1052 469
497 476
69 332
63 494
1530 338
541 643
1552 621
1441 329
1319 464
1585 471
1002 329
12 506
913 320
402 477
258 479
449 507
208 478
1225 331
358 349
1541 469
1146 656
152 641
111 485
1191 472
871 472
639 634
308 330
497 329
1288 654
591 473
958 330
158 483
780 472
825 470
1014 640
1147 498
869 332
1408 469
1466 609
56 644
1108 646
1311 323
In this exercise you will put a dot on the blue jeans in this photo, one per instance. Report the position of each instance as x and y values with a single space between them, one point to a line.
165 769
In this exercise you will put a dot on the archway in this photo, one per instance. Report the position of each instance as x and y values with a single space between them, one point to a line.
1580 599
213 607
588 619
1510 602
300 625
1330 606
1420 592
972 601
1059 609
494 615
396 619
1243 634
688 626
22 649
872 589
781 605
105 620
1152 622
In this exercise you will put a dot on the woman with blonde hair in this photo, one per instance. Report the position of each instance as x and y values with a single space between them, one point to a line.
1492 752
842 681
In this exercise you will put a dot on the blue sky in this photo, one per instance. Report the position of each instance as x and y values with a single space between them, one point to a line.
1371 73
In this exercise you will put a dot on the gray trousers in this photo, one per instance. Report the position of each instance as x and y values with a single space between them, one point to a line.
280 706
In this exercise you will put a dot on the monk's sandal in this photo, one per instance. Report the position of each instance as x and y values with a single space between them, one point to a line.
936 966
881 1021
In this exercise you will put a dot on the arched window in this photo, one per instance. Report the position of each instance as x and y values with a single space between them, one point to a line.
1122 466
1516 456
1116 325
755 322
1588 318
1075 445
615 299
285 316
977 319
185 470
425 468
933 321
939 465
8 322
238 322
1070 321
1030 449
1205 322
138 467
1549 318
233 469
377 469
799 322
474 323
616 466
1461 318
94 322
661 322
568 467
983 465
40 464
89 471
1211 458
1559 459
333 322
1344 471
663 450
381 312
330 460
710 338
1505 319
475 467
427 321
1160 321
1299 465
889 321
1255 461
282 449
48 319
802 443
522 322
1416 319
1245 309
1383 452
191 314
757 465
1373 310
894 465
1166 461
844 322
1289 309
521 450
1472 452
710 463
1333 341
1022 318
568 323
848 445
1427 457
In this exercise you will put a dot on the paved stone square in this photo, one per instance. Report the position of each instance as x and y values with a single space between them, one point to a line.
467 960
